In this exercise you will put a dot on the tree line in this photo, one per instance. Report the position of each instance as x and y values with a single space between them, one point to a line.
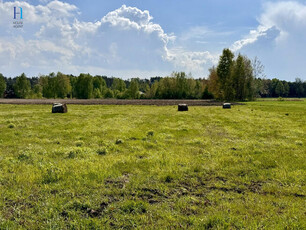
233 79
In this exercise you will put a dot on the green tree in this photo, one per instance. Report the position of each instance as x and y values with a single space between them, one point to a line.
153 91
190 88
167 88
249 89
286 89
224 71
22 86
299 87
134 89
206 94
239 78
198 89
109 93
2 85
62 85
279 89
99 84
273 85
84 86
97 93
118 84
181 84
214 83
49 85
37 91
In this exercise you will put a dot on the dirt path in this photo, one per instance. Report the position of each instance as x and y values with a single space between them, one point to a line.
112 102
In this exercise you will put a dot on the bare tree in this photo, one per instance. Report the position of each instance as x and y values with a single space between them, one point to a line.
258 69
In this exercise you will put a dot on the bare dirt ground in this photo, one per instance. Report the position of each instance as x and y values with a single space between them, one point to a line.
113 102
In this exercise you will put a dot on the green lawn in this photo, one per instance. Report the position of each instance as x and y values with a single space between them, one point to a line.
152 167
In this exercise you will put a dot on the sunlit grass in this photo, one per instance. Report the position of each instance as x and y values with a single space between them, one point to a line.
153 167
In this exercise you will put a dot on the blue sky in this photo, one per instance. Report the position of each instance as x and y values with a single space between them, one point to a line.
147 38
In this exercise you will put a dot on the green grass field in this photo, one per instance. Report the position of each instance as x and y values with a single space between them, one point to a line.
150 167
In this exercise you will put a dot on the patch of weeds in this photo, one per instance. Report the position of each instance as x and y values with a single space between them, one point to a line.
197 169
11 126
119 141
85 208
141 156
268 163
51 174
135 207
118 182
299 143
102 151
74 152
24 156
101 143
78 205
150 133
149 145
169 179
79 143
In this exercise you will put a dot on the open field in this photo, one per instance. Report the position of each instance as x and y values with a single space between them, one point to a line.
111 166
112 102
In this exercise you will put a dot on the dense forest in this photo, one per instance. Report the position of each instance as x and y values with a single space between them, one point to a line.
233 79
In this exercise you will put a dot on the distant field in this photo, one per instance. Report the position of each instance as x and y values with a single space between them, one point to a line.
151 167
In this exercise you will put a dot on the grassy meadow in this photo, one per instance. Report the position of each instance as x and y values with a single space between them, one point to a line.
150 167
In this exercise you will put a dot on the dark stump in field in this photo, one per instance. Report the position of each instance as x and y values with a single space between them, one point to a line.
182 107
59 108
226 105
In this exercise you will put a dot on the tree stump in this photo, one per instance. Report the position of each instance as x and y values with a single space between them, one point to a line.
182 107
226 105
59 108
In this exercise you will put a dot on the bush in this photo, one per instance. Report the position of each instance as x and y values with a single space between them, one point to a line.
97 93
207 95
109 94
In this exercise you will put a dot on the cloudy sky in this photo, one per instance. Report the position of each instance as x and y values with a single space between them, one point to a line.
147 38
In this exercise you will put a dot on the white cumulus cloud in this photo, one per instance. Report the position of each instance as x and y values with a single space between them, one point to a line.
279 39
124 42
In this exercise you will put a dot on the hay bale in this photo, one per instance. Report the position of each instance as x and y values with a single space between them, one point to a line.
182 107
226 105
59 108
